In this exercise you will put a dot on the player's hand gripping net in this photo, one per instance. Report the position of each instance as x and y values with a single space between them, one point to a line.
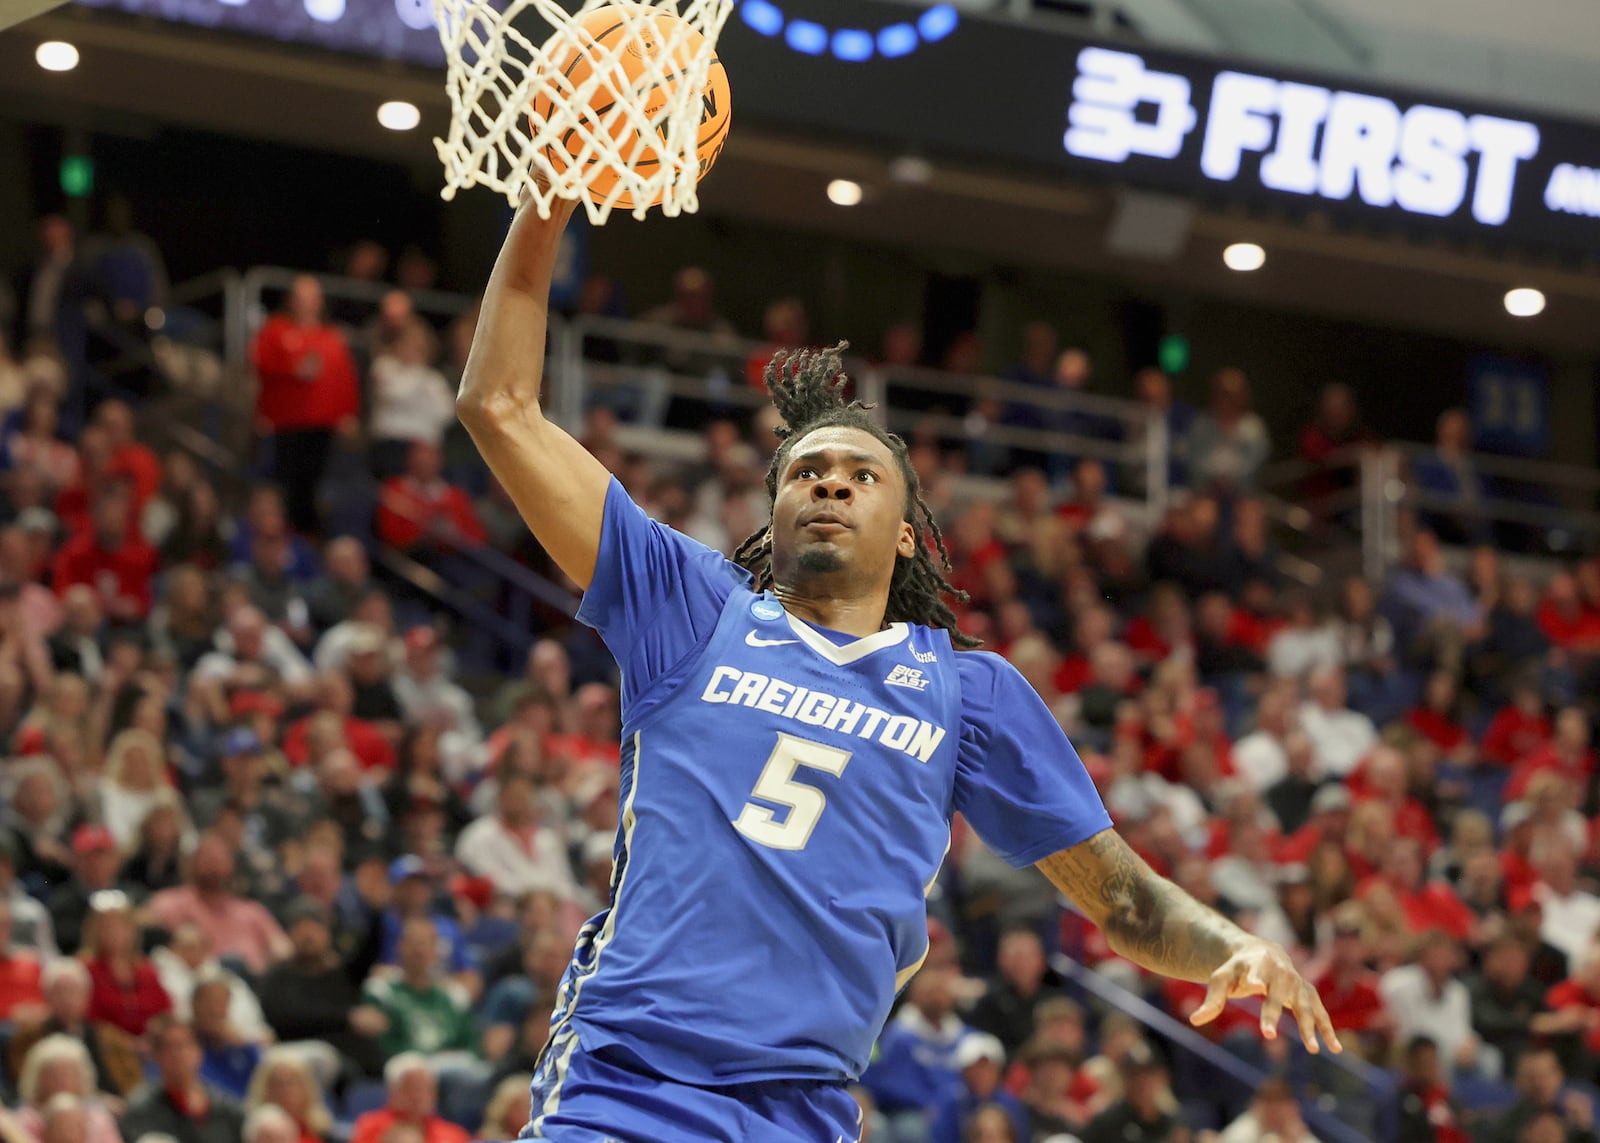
621 118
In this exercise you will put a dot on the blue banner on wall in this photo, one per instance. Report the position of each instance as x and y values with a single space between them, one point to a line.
1510 406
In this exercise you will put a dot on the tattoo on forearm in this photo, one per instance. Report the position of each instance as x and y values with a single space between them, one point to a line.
1146 918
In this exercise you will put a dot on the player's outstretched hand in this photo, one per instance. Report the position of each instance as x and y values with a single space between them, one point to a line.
1264 969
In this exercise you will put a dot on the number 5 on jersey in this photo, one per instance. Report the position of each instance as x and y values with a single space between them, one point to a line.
777 785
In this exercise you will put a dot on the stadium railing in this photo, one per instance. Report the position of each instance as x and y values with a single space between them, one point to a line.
1343 1099
665 382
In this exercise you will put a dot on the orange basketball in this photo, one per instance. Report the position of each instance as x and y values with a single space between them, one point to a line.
617 41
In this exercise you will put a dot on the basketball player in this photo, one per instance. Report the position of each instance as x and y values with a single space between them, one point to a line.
799 727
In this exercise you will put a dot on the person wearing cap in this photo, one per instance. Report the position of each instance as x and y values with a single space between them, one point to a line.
1348 986
1144 1114
315 994
373 691
96 865
413 898
981 1059
244 770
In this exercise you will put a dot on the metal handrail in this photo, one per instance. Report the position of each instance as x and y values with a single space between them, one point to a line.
1327 1126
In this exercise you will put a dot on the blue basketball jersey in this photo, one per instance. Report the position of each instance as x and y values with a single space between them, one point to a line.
786 803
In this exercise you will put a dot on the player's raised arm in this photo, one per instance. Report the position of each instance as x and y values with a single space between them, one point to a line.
1158 926
559 488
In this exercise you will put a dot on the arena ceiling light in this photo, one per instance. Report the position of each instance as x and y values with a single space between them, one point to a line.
1244 257
56 55
843 192
1524 301
398 115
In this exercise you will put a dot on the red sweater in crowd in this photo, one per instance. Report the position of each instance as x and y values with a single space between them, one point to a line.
1513 736
1354 1006
1547 758
1571 994
127 1006
364 740
1437 729
410 511
123 574
318 398
19 982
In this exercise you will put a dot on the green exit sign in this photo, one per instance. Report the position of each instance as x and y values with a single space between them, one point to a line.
77 176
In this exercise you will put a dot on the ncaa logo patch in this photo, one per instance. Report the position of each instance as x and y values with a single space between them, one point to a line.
767 609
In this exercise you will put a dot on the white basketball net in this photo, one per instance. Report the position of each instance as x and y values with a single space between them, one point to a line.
495 72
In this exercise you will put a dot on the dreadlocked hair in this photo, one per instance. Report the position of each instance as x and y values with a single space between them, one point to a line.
808 390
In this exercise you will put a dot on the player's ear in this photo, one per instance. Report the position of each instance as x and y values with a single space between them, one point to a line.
907 544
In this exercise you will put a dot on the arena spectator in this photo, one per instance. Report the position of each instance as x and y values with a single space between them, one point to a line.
1307 643
234 926
1340 737
126 991
95 868
1327 445
21 997
1507 1003
187 960
1228 442
1426 999
28 922
315 994
177 1102
507 1113
127 265
345 581
1449 484
39 284
413 899
228 1058
411 400
421 1015
110 557
129 459
269 1124
1542 1091
1570 915
513 999
59 1066
285 1082
1519 729
1272 1114
1144 1113
915 1070
1025 979
1433 614
308 393
413 1093
981 1060
1567 755
251 653
513 849
420 513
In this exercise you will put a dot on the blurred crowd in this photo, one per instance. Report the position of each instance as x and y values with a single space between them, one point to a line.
287 854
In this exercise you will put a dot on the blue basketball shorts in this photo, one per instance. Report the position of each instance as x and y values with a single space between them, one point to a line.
601 1097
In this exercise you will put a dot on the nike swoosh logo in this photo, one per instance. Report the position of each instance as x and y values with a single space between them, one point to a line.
755 640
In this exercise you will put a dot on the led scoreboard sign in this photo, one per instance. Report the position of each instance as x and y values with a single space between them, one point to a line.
1263 136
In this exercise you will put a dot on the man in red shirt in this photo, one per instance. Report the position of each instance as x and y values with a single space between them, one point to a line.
413 1097
421 512
308 393
130 460
1384 780
1519 729
1349 988
1427 905
111 557
1568 754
